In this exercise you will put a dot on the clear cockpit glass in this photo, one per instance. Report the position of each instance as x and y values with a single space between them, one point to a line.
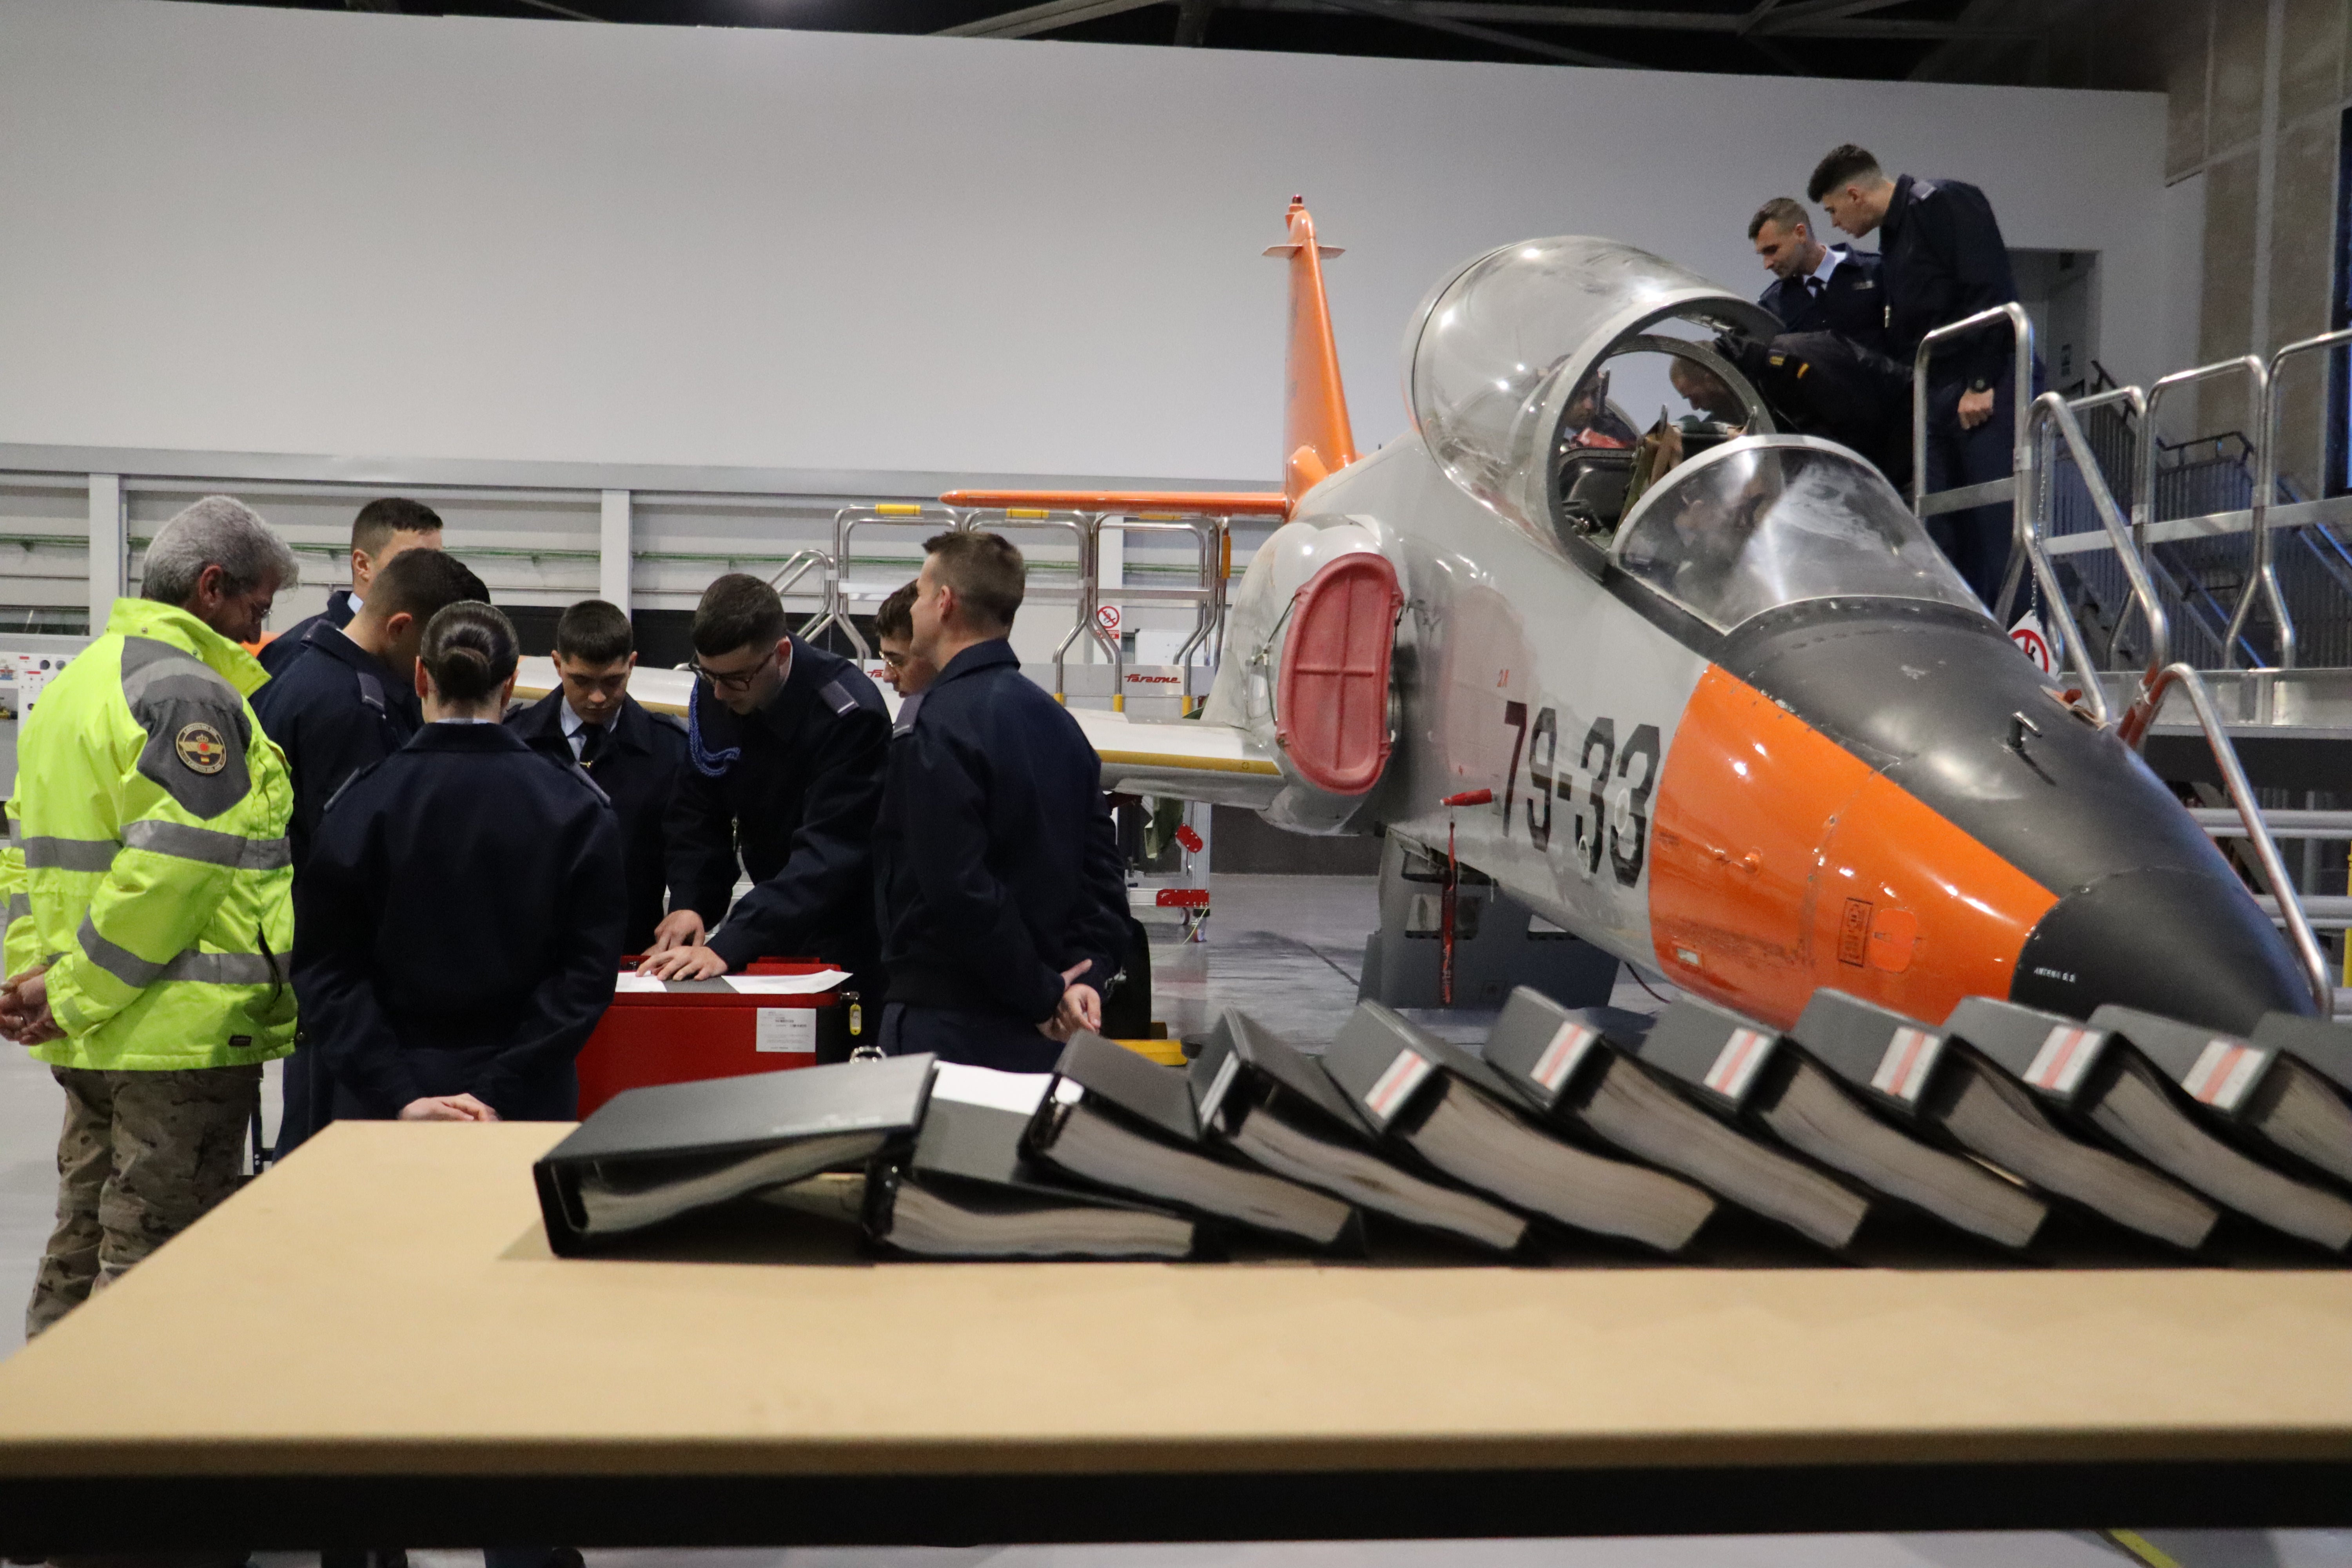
1769 521
1506 359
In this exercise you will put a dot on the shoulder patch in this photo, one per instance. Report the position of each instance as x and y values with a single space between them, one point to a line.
835 696
906 711
202 748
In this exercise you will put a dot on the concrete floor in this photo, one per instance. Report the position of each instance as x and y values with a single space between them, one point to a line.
1287 948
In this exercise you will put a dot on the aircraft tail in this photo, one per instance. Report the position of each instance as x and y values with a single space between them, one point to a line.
1318 440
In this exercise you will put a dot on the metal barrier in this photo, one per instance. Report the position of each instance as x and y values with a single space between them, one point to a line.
839 592
1214 538
1080 526
2262 572
2048 412
2016 489
2288 904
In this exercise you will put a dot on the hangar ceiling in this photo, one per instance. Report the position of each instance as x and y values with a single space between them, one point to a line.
1882 40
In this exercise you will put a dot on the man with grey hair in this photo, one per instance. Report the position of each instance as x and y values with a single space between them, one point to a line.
153 816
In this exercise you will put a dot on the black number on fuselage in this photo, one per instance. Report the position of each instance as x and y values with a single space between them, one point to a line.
1625 849
1514 714
1540 747
1604 737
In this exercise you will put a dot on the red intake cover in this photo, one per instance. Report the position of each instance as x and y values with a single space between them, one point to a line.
1331 699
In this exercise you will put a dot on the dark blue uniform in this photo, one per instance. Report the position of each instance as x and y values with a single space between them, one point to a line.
996 865
333 709
1942 260
286 646
1850 303
459 927
788 793
637 763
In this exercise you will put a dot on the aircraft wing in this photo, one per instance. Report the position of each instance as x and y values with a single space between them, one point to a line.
1181 757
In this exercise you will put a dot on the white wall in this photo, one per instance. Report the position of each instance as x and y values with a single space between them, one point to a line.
250 229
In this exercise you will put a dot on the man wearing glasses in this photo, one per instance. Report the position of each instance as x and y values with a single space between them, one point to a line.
786 745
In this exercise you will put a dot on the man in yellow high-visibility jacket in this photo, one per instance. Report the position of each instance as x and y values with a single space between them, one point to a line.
151 816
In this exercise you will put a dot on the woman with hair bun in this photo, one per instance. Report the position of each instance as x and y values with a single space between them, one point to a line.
459 925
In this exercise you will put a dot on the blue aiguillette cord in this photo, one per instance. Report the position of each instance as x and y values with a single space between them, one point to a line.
708 763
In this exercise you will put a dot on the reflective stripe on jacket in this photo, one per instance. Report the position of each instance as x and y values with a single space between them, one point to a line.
21 949
152 819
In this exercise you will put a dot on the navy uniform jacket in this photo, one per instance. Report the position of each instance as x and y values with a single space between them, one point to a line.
637 770
1942 258
286 646
791 791
1851 303
995 862
459 927
332 711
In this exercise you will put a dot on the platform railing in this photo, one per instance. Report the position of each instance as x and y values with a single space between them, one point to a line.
2261 573
2283 900
840 593
2018 489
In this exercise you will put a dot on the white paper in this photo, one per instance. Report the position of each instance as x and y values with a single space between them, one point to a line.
786 984
791 1030
634 984
1020 1091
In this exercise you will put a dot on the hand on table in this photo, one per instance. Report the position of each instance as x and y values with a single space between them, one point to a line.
683 964
447 1108
679 927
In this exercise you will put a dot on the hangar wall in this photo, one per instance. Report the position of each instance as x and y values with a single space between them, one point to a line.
241 229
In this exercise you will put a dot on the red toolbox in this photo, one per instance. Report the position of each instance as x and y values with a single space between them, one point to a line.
680 1031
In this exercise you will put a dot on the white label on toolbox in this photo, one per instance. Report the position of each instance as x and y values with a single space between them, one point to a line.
1903 1071
1395 1086
1737 1063
2223 1073
2059 1065
788 1030
1558 1063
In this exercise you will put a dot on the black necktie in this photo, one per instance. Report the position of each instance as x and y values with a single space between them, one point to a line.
591 743
1813 287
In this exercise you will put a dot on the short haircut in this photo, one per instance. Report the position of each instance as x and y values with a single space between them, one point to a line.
219 531
1845 165
423 583
738 611
895 618
380 520
1782 210
592 631
986 572
468 650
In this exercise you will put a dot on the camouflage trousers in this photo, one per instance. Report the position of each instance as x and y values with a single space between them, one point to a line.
143 1156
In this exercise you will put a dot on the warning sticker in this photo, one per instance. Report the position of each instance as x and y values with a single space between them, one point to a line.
1395 1086
2225 1070
791 1030
1853 933
1734 1066
1558 1063
2065 1057
1903 1071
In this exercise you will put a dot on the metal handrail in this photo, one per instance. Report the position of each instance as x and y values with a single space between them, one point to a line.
2129 551
795 567
2021 479
2257 832
1208 534
1081 526
848 520
2050 409
2262 573
2257 404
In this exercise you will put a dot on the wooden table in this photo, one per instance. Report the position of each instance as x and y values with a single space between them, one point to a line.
372 1344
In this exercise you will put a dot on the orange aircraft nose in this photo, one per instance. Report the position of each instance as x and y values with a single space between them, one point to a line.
1849 802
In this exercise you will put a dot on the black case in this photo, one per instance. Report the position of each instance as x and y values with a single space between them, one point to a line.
2218 1073
2322 1047
676 1126
2056 1057
1245 1063
1888 1058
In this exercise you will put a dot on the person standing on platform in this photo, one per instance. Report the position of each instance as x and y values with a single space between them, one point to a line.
995 863
633 755
458 923
347 703
785 748
894 633
383 530
1818 288
152 815
1943 259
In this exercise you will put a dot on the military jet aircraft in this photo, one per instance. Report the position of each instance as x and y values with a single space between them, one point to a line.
1738 722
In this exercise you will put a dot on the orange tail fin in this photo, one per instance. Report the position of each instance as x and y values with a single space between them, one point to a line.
1317 438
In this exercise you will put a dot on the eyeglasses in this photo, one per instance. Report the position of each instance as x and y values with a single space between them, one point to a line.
896 661
734 680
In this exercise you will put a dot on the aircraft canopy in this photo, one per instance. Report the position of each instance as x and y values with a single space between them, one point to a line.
1495 354
1767 521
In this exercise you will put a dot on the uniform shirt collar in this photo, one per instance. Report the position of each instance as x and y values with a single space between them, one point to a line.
1830 256
979 656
